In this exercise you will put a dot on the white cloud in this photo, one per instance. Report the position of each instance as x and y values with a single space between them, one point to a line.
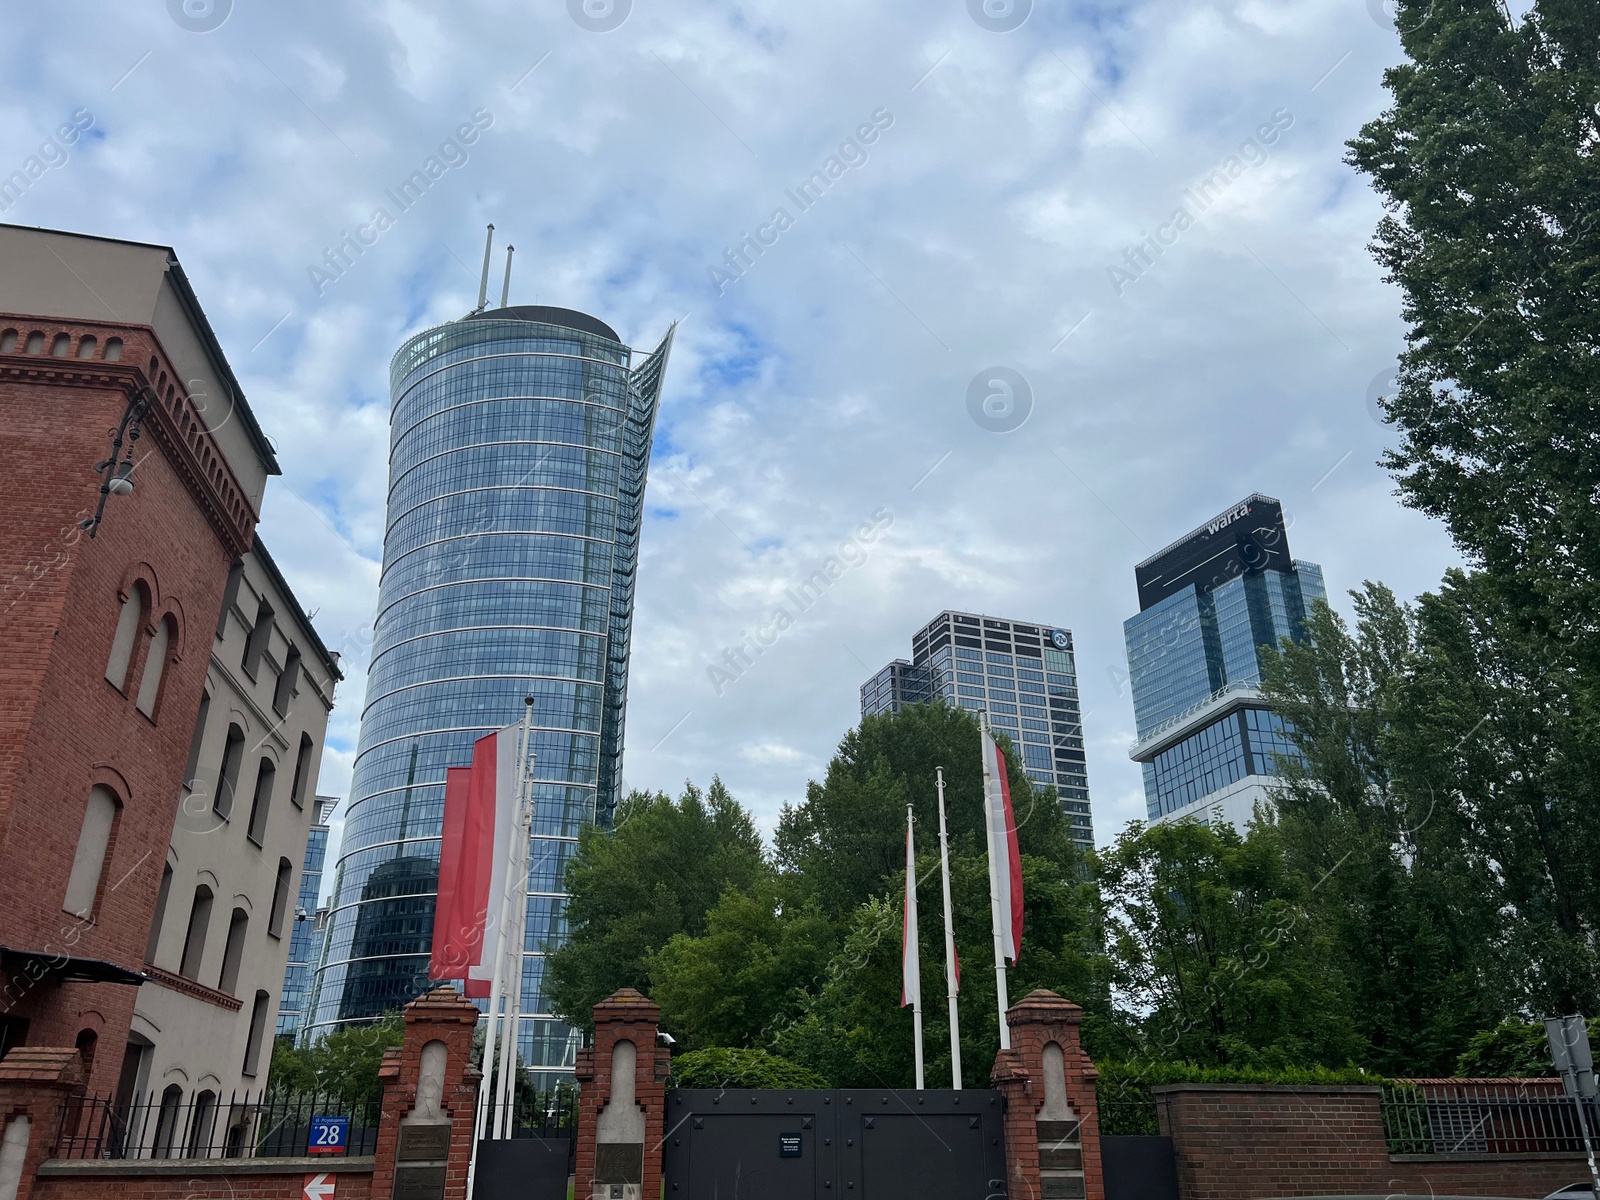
828 379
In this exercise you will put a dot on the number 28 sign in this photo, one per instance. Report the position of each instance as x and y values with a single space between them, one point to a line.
329 1135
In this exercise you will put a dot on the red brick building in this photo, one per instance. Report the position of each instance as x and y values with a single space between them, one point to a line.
106 638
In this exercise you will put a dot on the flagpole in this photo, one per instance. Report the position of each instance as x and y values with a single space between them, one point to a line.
517 900
994 881
480 1128
915 952
950 982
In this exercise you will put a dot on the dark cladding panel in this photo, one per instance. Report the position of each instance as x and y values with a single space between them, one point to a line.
1249 537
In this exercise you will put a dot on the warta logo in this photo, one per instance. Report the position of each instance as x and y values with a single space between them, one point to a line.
1228 518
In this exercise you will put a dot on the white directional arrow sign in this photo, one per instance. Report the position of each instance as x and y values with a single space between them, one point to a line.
319 1187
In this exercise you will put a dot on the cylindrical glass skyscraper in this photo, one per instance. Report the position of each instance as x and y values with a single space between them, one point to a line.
520 439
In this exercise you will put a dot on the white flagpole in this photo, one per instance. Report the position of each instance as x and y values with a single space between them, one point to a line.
994 880
517 914
949 944
914 949
490 1033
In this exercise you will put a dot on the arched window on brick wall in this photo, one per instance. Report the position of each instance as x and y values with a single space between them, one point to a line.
155 666
88 863
127 636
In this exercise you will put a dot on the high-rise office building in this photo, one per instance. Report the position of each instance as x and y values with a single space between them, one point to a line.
520 440
306 936
1211 605
1022 673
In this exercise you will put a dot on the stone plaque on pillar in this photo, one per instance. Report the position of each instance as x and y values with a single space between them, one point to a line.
418 1183
424 1143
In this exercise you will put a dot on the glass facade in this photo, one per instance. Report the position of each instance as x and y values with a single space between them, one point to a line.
520 440
1246 742
306 936
1215 604
1024 675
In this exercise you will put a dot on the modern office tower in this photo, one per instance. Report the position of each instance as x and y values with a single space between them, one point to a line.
520 439
1022 673
306 936
1211 605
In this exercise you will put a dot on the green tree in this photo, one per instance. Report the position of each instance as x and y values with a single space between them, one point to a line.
1388 869
1211 941
1486 163
726 1067
746 974
1511 1050
344 1063
656 874
846 840
1444 811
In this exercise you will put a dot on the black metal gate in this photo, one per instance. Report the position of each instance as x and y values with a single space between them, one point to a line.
835 1145
523 1168
1139 1167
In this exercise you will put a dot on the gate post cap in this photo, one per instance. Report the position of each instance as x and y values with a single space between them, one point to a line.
444 1005
627 1004
1044 1007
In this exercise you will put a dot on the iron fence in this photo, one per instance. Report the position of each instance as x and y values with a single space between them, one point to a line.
545 1114
266 1124
1501 1117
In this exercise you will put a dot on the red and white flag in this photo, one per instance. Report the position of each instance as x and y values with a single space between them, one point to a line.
1005 859
480 805
910 960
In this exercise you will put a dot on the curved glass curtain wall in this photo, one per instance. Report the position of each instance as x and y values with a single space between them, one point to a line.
516 482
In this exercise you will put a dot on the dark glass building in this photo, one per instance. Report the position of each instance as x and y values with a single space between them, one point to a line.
520 439
305 940
1211 605
1023 674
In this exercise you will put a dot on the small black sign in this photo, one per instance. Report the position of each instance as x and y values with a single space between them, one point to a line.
788 1145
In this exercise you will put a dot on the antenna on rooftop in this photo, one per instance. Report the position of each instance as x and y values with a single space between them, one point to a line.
505 290
483 284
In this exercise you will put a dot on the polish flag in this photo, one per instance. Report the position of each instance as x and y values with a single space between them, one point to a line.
1005 859
910 960
480 804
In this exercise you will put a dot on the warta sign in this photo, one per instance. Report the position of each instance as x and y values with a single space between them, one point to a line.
1228 518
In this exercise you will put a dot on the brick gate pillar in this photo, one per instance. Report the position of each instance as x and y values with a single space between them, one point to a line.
39 1087
622 1100
1052 1114
430 1098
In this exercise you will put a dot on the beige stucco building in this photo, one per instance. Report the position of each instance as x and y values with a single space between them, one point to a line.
220 940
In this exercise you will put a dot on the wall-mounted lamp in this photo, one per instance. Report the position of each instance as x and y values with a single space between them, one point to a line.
116 472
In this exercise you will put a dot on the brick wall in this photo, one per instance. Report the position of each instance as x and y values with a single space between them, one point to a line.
264 1179
63 727
1241 1141
41 1082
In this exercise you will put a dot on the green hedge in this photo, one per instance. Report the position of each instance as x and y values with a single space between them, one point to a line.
727 1067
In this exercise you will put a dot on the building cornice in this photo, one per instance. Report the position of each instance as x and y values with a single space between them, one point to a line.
173 420
188 987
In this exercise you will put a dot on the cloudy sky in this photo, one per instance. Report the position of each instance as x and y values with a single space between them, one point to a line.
1004 217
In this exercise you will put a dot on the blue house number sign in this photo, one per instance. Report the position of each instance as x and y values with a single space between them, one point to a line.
329 1135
